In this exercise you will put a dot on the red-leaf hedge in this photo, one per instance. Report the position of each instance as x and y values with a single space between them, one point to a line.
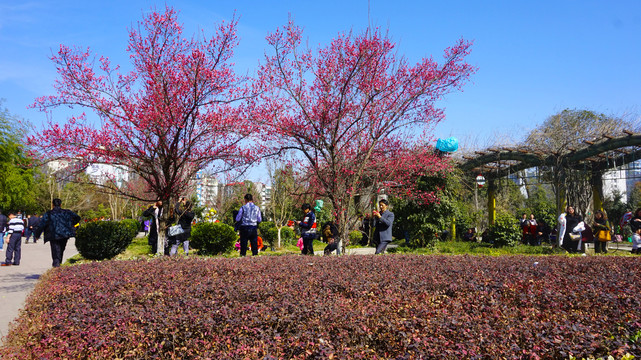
350 307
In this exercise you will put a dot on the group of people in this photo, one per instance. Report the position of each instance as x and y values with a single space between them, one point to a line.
249 216
534 232
573 232
182 215
57 224
382 220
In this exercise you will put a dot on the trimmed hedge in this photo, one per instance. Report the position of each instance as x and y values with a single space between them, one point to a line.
133 224
268 231
212 238
287 235
101 240
355 237
390 307
505 231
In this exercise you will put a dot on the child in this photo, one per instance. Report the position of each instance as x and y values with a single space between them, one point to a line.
15 227
636 241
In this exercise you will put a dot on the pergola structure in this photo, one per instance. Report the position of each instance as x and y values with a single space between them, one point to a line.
595 156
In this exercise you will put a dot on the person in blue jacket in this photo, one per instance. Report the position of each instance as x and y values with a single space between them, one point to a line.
249 217
384 221
307 229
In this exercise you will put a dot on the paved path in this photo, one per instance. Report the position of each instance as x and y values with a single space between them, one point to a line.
16 282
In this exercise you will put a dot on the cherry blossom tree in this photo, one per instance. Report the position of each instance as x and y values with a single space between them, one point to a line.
356 113
175 113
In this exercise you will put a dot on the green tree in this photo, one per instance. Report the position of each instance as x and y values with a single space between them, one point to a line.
615 207
16 182
565 132
540 203
634 199
282 205
423 224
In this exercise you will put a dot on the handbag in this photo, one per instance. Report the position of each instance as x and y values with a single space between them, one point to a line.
604 235
575 237
175 230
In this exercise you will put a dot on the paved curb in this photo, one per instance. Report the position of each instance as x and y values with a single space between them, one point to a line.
16 282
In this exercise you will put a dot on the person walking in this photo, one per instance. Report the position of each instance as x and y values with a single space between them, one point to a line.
155 213
58 225
249 217
307 229
185 217
32 222
384 222
3 229
15 228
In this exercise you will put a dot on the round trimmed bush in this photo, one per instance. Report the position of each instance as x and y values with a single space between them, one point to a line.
134 225
268 231
355 237
102 240
212 238
287 235
505 231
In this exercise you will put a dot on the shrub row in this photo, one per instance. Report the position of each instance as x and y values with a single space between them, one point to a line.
98 240
389 307
212 238
269 232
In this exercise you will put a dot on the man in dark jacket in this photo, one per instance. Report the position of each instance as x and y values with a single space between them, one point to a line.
307 230
58 226
384 221
31 223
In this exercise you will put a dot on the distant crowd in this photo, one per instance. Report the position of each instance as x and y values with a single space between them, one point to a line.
56 225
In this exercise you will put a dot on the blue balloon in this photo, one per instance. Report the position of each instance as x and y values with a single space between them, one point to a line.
447 145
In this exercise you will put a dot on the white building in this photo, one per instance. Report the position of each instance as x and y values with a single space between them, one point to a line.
265 192
101 173
206 188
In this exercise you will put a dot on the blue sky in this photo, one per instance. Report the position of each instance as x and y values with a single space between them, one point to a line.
535 58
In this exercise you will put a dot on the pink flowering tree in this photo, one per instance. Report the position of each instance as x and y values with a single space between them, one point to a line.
356 113
176 112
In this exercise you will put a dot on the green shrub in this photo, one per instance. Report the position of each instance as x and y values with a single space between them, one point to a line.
355 237
134 225
101 240
268 231
270 237
505 231
287 235
213 238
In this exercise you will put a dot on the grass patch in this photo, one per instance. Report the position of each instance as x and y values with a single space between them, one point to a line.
136 249
462 247
139 248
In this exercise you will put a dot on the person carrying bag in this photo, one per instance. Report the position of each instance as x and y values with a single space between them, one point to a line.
602 232
180 233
